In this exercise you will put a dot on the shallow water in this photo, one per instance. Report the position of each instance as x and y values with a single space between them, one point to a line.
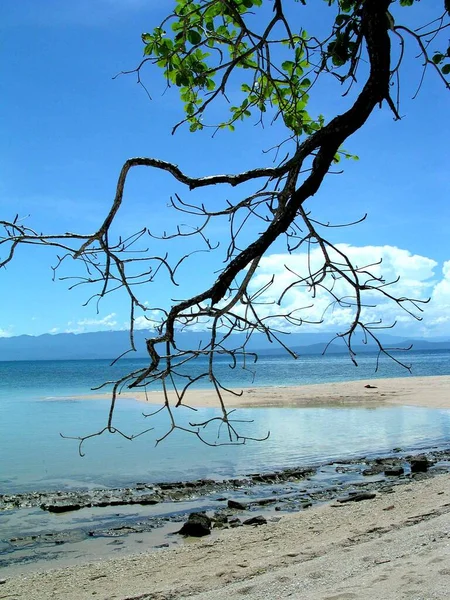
35 456
41 459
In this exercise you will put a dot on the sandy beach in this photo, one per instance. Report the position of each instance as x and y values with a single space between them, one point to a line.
395 546
431 392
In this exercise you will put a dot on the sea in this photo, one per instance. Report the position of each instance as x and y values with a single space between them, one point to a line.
42 412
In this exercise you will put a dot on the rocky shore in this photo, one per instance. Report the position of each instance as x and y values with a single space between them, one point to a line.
395 544
249 500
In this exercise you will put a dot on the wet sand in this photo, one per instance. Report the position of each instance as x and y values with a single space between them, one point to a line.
395 546
430 392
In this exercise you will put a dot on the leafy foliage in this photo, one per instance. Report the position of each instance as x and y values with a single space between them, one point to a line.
203 43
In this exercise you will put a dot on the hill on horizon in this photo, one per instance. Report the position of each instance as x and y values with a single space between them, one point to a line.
111 344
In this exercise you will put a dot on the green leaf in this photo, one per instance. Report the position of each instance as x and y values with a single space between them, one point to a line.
288 66
446 69
437 58
341 19
194 37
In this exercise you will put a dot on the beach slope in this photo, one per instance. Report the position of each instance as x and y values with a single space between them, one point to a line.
394 546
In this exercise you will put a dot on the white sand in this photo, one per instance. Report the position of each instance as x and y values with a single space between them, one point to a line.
432 392
394 547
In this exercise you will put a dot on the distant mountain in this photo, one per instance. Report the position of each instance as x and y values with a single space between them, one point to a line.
111 344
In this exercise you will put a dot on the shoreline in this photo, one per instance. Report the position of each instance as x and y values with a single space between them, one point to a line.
429 392
150 513
396 541
383 547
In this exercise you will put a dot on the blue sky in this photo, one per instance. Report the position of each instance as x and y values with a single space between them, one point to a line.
68 127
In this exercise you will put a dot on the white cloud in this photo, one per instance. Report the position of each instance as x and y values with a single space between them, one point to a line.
108 321
83 325
150 320
438 312
417 280
5 333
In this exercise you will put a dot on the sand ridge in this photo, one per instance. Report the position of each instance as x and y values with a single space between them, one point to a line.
432 392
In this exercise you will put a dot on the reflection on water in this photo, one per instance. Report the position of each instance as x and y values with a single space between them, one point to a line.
33 455
38 458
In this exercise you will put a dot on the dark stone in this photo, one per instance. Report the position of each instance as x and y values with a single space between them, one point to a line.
258 520
419 464
237 505
220 518
234 522
270 477
148 500
394 470
357 497
197 525
373 470
265 501
60 508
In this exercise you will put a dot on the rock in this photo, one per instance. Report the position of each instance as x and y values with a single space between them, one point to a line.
258 520
394 471
2 581
197 525
373 470
60 508
357 497
220 518
419 464
234 522
371 387
237 505
148 500
265 501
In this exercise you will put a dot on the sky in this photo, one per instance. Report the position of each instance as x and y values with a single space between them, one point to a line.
68 126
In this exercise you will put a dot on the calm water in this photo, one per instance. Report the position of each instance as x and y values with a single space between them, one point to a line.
34 456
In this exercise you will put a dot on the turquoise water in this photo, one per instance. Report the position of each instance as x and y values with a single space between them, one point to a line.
53 378
35 456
